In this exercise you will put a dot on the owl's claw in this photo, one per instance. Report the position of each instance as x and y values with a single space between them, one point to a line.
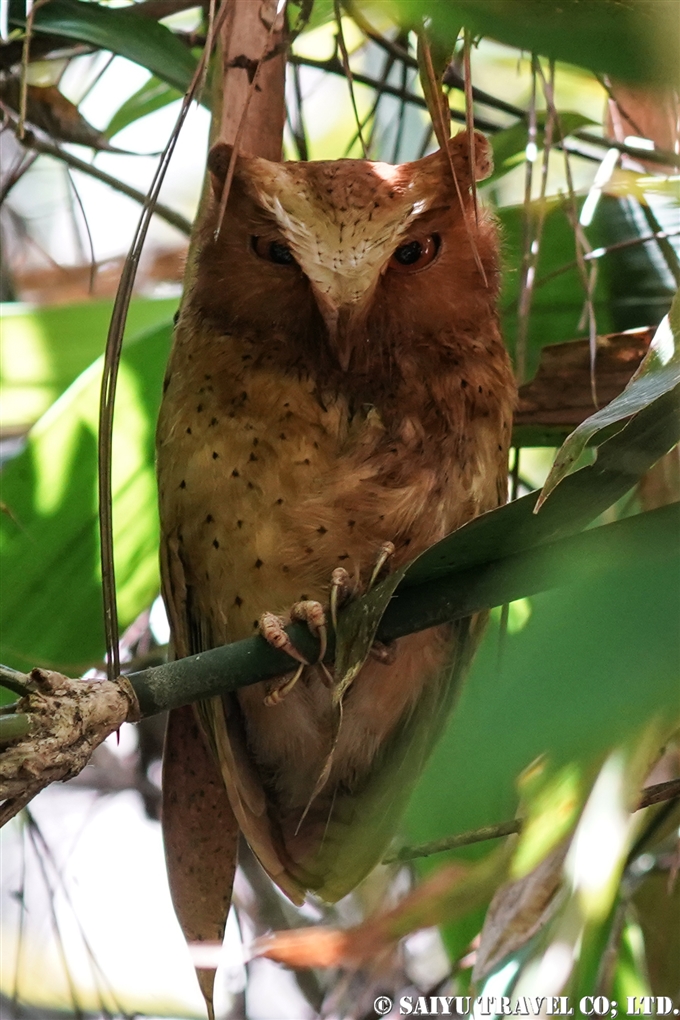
340 592
312 613
384 555
277 691
272 630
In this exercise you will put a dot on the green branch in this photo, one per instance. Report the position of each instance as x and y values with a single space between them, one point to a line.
416 607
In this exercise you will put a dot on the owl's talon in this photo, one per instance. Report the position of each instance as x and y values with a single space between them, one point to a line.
272 630
385 554
312 613
340 592
276 692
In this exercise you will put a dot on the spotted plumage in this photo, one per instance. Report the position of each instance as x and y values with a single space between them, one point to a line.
337 381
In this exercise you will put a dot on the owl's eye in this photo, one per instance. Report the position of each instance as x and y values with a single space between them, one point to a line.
416 254
273 251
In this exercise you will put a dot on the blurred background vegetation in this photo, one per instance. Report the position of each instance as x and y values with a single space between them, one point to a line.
573 698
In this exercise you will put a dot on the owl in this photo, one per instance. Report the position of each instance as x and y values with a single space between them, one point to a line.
337 382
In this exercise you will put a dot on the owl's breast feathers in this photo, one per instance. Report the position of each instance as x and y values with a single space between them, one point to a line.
267 483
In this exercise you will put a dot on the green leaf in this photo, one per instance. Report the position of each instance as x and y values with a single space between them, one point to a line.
633 41
45 348
595 663
123 31
153 95
557 304
50 601
658 375
630 291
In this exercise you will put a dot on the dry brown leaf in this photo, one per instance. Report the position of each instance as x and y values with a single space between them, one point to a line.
560 392
50 111
518 910
451 891
200 835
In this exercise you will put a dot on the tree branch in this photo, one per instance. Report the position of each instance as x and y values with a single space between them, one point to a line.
45 148
413 608
650 795
69 718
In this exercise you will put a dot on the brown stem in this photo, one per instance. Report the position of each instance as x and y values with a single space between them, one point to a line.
246 38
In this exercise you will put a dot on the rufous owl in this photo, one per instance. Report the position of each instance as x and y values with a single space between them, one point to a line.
338 381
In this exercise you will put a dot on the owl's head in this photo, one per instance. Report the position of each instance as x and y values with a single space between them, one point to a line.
348 249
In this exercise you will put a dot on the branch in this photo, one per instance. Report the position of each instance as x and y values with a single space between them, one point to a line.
439 846
412 608
66 720
46 148
69 718
650 795
334 66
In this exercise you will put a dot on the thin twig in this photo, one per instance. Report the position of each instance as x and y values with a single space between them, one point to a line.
18 683
529 279
598 253
650 795
439 846
371 116
451 78
98 975
114 343
90 242
659 793
298 128
402 115
46 148
334 66
525 290
21 900
348 74
661 156
32 828
582 246
470 117
505 608
666 249
23 83
442 128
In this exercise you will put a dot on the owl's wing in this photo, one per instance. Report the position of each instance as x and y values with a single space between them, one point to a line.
210 788
362 823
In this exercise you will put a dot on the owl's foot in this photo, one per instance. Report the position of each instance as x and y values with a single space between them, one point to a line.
272 630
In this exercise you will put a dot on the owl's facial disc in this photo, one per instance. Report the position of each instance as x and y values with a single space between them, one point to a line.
347 224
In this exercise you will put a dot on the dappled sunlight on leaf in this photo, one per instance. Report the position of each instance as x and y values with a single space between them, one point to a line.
51 546
549 807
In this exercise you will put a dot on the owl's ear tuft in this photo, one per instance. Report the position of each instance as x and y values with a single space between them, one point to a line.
459 147
218 165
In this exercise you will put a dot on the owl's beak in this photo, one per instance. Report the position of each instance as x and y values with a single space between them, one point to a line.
345 317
